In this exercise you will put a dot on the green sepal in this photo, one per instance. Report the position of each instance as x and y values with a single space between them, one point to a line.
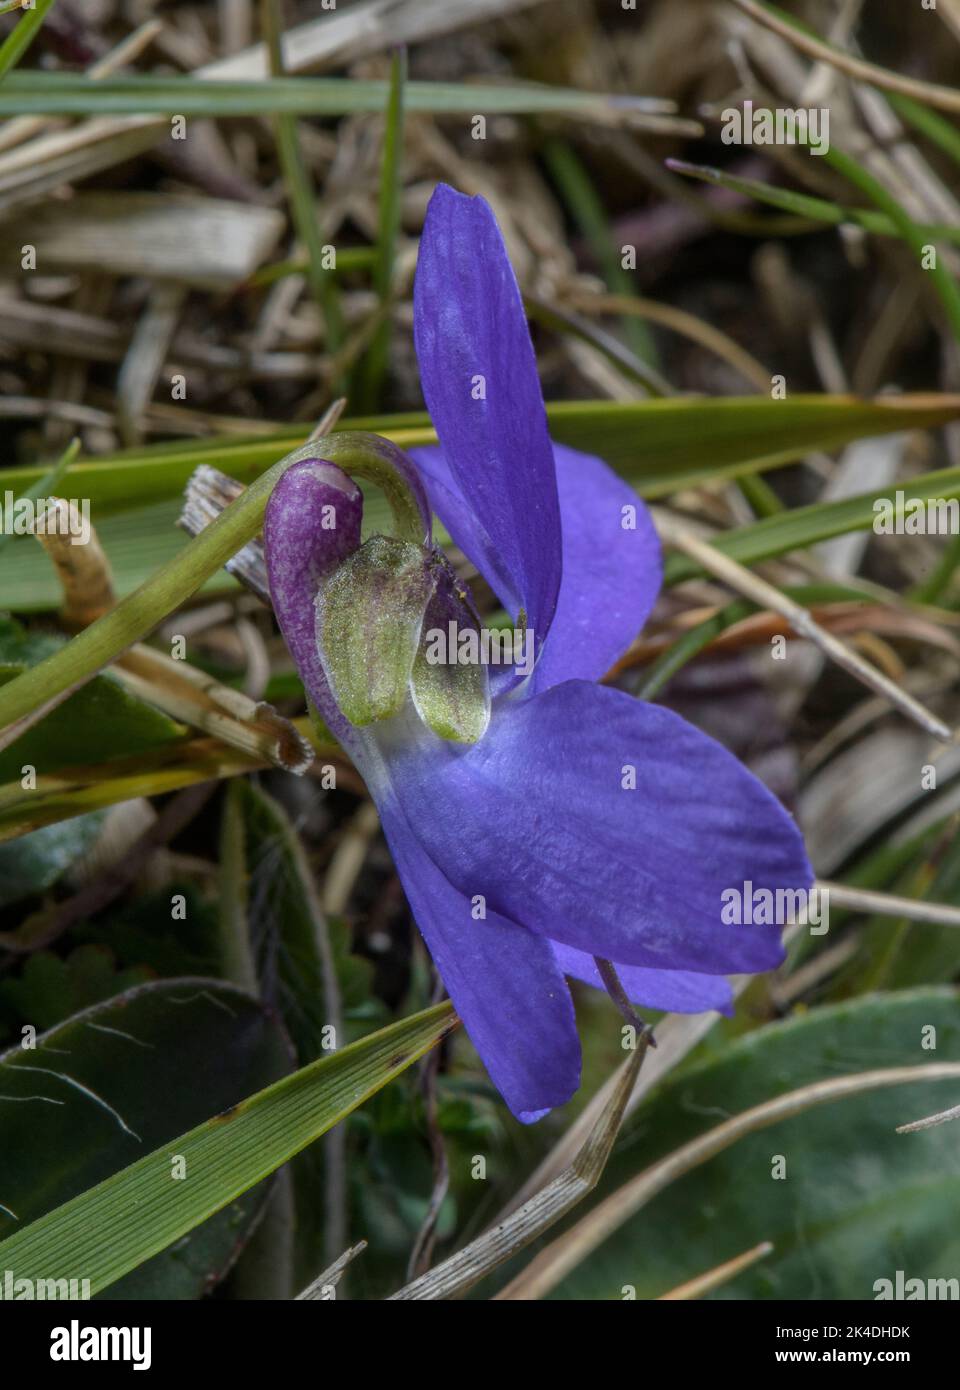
369 618
452 699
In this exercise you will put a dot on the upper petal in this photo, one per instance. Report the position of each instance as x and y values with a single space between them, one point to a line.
537 818
503 979
480 383
612 563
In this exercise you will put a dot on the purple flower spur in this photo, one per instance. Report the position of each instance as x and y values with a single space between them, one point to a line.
539 821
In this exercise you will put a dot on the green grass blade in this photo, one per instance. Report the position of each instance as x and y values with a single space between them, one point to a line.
939 579
63 94
581 198
804 205
349 258
300 194
375 362
915 237
22 36
113 1227
661 446
760 495
938 130
45 486
805 526
691 644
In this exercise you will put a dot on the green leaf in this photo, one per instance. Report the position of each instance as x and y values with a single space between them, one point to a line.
108 1084
99 722
141 932
51 988
137 540
275 919
858 1201
114 1227
34 862
296 948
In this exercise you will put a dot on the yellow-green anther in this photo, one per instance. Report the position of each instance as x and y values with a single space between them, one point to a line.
369 618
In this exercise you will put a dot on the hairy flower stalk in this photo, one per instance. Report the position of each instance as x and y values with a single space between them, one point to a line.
540 822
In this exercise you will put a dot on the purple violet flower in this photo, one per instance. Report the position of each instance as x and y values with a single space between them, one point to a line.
525 846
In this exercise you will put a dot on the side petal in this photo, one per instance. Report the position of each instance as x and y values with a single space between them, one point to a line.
503 979
612 571
536 818
480 383
673 991
612 562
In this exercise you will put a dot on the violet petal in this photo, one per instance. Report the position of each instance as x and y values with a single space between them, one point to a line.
480 382
536 818
611 571
504 982
674 991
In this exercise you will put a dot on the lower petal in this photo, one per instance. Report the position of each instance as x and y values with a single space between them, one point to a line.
610 825
503 979
673 991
